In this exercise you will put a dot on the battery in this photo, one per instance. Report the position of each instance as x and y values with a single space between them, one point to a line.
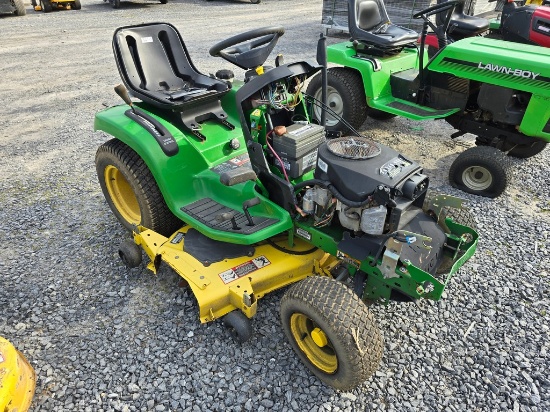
297 148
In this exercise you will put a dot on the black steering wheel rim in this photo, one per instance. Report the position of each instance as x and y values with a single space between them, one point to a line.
435 9
275 31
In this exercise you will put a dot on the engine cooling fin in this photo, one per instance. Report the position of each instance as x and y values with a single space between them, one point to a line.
353 147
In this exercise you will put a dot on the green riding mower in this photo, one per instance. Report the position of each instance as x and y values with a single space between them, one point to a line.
231 185
498 91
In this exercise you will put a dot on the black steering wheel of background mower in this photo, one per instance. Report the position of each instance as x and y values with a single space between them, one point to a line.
440 31
250 49
435 9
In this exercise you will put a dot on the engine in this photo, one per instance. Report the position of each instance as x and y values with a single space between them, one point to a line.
364 184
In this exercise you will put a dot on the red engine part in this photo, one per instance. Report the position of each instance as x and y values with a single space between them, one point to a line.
540 26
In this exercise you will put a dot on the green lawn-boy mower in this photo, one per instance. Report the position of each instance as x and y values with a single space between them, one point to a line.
233 186
496 90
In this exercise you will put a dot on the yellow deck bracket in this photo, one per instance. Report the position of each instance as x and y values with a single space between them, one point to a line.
242 297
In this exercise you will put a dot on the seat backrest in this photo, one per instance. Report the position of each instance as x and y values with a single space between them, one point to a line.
154 57
155 66
368 14
458 12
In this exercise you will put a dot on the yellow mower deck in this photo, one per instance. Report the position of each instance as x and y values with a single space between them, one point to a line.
234 283
17 379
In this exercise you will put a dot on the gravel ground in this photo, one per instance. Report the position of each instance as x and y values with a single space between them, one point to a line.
105 338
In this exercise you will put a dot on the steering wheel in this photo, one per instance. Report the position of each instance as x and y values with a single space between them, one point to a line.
440 31
435 9
250 49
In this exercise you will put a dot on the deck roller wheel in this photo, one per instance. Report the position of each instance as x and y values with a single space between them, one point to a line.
239 325
130 253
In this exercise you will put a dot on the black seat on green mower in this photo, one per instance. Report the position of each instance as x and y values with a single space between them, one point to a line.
369 23
154 65
462 24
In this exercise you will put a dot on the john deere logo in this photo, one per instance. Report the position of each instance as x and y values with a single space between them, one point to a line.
526 74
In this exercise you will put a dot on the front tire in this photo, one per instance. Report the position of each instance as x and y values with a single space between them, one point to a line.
19 8
77 5
332 331
131 190
345 97
481 170
47 6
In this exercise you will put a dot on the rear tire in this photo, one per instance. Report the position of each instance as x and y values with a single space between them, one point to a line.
345 96
332 331
481 170
19 8
525 151
131 190
77 5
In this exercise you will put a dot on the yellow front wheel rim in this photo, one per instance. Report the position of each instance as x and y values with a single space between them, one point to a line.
122 195
314 343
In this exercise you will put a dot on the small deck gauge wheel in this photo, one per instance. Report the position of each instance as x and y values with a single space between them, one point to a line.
255 1
130 253
239 325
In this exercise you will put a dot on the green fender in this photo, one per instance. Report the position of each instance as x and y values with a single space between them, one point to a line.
187 176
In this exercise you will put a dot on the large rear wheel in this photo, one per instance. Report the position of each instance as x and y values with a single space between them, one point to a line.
480 170
131 190
332 331
345 99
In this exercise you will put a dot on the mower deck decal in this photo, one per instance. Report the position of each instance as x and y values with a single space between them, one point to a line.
244 269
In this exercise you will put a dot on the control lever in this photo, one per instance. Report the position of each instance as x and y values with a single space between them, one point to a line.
249 203
123 93
224 217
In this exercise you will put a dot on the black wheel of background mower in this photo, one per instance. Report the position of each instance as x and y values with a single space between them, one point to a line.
46 6
525 151
332 331
131 190
130 253
481 170
76 5
19 8
522 151
345 96
239 324
115 4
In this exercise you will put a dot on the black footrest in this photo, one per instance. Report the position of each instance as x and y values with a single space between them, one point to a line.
207 211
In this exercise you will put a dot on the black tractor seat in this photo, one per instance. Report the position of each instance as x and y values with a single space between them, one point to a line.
155 66
462 25
369 24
